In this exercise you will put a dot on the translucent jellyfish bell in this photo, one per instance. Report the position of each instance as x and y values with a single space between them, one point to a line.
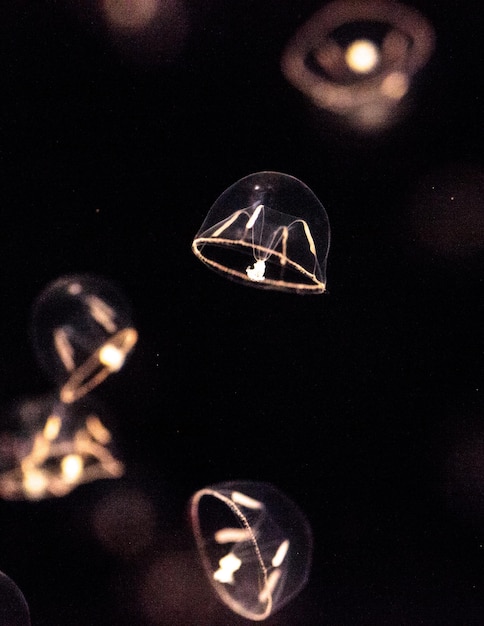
255 545
357 59
82 332
267 230
14 610
48 448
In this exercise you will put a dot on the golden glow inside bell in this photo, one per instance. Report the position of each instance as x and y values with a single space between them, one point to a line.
48 448
362 56
82 333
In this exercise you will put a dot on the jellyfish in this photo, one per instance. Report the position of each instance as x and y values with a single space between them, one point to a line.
47 448
82 333
14 610
270 231
357 58
255 545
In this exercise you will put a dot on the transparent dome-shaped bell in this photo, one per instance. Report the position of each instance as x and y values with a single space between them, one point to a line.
14 610
82 332
268 230
47 448
255 545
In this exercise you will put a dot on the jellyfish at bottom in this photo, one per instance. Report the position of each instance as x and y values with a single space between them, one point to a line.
357 58
255 545
82 332
14 610
48 448
270 231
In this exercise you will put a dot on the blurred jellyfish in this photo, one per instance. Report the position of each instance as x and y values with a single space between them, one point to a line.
357 59
82 333
135 14
267 230
143 31
124 522
14 610
255 545
48 448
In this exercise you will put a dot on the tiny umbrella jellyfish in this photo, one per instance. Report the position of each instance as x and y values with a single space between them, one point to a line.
268 230
357 58
14 610
47 448
82 333
255 545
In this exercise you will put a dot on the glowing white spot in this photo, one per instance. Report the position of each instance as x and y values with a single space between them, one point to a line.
111 357
52 427
256 272
35 483
254 216
280 555
72 468
228 565
232 535
243 500
362 56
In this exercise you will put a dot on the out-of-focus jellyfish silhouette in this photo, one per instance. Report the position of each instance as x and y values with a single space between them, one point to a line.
143 31
255 545
14 610
47 448
124 522
267 230
82 333
357 59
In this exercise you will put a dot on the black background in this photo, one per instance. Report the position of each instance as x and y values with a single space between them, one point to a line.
364 405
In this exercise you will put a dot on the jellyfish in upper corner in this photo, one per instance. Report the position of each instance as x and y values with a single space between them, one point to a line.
255 545
267 230
14 610
357 59
82 332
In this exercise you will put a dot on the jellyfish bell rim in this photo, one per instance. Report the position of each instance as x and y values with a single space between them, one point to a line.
226 598
21 610
199 243
93 371
316 281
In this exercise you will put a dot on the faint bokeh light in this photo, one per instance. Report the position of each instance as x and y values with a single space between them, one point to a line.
135 14
143 31
462 480
172 590
124 522
447 211
356 59
48 448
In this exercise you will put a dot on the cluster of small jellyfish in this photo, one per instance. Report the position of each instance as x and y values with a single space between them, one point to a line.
82 333
353 58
